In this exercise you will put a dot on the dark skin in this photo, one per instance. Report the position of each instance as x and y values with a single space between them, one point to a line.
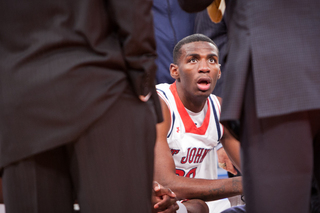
196 206
232 148
163 199
198 62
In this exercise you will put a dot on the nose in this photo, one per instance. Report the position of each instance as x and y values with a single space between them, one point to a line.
204 66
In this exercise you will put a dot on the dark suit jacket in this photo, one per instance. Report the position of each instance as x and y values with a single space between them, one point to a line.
63 63
279 42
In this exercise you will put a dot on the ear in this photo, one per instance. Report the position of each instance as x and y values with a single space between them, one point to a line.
219 73
174 71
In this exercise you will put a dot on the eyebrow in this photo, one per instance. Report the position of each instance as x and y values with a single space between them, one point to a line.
197 55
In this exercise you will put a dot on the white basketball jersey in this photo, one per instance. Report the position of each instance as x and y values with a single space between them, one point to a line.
192 148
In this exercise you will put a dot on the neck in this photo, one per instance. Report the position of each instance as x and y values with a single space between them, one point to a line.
192 103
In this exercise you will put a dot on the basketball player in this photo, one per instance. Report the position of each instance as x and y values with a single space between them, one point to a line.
185 154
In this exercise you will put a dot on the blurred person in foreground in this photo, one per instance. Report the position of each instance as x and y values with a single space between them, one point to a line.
273 91
75 75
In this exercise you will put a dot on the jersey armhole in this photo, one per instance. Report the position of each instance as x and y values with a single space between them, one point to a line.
162 95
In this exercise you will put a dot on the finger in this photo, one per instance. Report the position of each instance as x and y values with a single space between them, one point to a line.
171 193
165 203
222 165
231 169
156 186
164 191
173 208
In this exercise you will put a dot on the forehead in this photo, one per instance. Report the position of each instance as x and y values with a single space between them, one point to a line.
199 47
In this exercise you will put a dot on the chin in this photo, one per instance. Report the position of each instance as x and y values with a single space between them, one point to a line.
205 93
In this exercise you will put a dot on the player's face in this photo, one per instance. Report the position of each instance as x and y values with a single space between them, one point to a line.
198 69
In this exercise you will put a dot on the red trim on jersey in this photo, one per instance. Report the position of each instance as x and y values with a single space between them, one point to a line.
189 125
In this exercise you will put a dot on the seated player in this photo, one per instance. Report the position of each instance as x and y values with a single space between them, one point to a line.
185 154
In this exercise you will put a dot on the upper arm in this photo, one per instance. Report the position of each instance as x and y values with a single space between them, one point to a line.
163 162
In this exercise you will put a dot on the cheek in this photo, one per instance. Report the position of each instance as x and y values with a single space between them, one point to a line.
216 73
186 76
215 78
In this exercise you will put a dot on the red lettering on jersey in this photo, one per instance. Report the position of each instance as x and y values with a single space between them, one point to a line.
185 159
191 156
180 172
174 151
194 155
198 156
190 174
178 129
204 154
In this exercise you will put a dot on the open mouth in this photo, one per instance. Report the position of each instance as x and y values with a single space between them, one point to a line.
204 84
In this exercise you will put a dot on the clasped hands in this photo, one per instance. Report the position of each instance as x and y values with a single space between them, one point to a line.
163 199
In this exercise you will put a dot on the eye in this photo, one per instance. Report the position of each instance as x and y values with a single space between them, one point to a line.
193 60
212 60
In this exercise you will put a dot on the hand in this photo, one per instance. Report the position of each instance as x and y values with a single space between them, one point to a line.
163 199
224 161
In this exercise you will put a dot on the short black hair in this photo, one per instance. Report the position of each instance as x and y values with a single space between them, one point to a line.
187 40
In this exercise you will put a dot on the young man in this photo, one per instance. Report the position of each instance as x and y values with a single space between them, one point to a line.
185 154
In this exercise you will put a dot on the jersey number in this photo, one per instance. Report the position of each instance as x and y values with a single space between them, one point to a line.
190 174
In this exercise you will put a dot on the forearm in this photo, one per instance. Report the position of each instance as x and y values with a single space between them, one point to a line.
232 148
207 190
233 151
